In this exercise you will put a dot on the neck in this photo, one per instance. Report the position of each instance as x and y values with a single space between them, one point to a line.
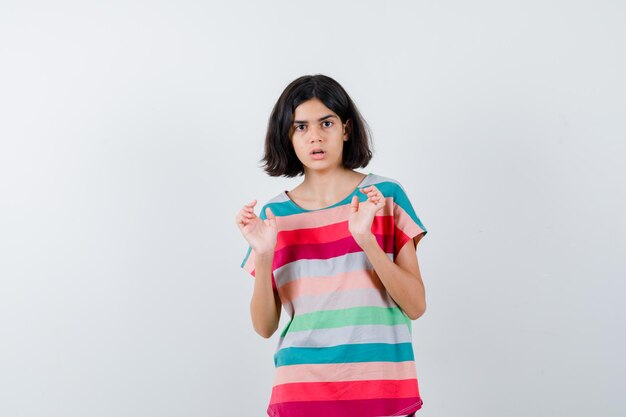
329 184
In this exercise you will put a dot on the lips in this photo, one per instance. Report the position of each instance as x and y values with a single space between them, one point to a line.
317 153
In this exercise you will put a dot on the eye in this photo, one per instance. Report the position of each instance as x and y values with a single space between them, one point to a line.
329 123
299 128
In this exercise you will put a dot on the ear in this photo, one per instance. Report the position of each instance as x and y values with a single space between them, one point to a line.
346 129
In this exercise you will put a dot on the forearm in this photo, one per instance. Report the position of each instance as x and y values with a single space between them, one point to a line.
264 307
405 288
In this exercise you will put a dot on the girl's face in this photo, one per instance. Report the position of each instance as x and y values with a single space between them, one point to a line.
317 128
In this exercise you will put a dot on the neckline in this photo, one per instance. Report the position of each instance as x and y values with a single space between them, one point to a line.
343 201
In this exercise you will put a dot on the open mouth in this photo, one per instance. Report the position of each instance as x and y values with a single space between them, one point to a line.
318 154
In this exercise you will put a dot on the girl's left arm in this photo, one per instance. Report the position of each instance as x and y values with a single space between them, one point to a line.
401 278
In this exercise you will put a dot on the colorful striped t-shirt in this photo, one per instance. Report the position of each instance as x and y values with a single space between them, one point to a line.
347 349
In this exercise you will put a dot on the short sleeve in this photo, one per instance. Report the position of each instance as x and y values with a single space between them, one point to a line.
407 224
248 261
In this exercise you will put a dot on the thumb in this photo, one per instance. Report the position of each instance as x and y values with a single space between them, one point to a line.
270 216
354 204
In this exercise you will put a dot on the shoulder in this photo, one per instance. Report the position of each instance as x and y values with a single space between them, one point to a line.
390 187
276 204
402 206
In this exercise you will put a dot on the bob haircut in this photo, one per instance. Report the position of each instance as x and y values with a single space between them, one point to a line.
280 158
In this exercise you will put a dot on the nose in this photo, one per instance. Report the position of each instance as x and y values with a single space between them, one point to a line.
314 134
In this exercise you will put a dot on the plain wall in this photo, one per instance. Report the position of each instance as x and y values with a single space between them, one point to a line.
130 136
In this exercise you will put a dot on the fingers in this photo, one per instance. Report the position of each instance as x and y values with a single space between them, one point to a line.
373 194
246 214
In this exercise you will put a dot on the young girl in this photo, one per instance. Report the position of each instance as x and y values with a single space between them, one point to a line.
338 253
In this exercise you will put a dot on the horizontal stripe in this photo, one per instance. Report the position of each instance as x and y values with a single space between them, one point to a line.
360 352
343 298
355 261
347 408
347 317
344 390
376 333
314 235
326 251
355 371
321 285
335 229
323 251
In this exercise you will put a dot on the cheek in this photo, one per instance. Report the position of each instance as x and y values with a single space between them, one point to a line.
299 150
342 145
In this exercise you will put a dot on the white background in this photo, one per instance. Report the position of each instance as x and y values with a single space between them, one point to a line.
130 135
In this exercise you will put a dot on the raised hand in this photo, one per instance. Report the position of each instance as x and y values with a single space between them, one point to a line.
260 234
362 214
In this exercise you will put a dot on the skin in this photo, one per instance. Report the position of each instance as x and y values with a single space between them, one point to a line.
326 182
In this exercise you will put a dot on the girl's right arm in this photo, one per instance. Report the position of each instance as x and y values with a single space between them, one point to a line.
265 306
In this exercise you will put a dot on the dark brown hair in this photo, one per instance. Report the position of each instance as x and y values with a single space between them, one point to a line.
280 159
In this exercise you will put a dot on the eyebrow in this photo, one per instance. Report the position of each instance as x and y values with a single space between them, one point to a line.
319 120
